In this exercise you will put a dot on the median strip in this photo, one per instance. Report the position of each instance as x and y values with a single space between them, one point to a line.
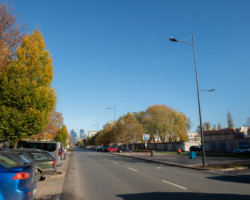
174 184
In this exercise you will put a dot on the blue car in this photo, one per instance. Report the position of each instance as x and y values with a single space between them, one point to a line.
17 177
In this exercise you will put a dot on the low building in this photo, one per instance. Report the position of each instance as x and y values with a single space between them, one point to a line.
92 133
226 140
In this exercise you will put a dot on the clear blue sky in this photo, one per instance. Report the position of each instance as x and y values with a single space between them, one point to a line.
117 52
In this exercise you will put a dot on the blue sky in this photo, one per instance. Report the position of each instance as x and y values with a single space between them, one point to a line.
117 52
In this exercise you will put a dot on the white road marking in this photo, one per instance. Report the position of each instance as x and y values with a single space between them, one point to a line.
116 163
133 169
174 184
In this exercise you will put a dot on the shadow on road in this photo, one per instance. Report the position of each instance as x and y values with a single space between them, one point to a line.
236 179
180 196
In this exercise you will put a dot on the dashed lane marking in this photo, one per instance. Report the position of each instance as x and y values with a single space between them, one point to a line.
133 169
174 184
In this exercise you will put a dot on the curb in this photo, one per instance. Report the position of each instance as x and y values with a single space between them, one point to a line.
183 166
161 162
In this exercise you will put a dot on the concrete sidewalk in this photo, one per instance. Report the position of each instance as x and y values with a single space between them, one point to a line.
183 160
51 187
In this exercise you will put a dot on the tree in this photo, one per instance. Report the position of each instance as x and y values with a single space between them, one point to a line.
207 126
229 120
27 97
11 35
247 122
129 129
162 122
52 128
62 135
219 126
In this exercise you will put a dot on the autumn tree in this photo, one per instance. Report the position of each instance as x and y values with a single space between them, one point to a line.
129 129
62 135
11 35
162 122
27 97
229 120
52 128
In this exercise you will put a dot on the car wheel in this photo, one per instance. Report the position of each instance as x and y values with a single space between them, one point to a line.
38 175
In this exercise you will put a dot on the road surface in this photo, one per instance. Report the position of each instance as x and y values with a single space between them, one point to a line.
96 175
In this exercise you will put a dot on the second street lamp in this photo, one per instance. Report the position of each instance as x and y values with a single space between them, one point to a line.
198 94
113 108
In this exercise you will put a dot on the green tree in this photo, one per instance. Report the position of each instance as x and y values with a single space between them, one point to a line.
62 135
27 97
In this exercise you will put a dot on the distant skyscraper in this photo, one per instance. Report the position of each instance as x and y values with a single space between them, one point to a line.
82 134
73 136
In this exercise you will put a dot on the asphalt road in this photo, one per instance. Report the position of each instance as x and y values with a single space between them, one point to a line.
95 175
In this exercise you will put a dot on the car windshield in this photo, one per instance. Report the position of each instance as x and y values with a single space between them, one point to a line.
7 162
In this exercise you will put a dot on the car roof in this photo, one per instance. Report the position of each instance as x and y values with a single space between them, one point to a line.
28 150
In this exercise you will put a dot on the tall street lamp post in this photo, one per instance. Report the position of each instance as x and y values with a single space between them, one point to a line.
113 108
198 93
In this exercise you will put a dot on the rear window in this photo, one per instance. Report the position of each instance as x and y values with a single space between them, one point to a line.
49 147
32 145
41 156
7 162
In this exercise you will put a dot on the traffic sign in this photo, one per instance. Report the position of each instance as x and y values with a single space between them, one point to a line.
145 136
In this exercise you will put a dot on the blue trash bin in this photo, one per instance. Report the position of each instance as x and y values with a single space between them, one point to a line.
192 155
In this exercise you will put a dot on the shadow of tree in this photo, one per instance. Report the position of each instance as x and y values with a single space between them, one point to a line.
236 179
182 196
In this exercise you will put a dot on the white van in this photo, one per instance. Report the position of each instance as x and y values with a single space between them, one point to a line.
54 148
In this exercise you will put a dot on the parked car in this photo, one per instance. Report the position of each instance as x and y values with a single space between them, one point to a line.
124 149
54 148
46 162
105 148
243 149
17 177
113 149
195 148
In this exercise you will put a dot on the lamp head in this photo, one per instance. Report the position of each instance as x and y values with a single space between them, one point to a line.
172 39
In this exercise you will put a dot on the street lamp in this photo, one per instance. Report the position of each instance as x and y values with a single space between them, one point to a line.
198 93
113 108
211 90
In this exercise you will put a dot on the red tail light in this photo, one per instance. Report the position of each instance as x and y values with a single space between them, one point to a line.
21 175
53 162
59 152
